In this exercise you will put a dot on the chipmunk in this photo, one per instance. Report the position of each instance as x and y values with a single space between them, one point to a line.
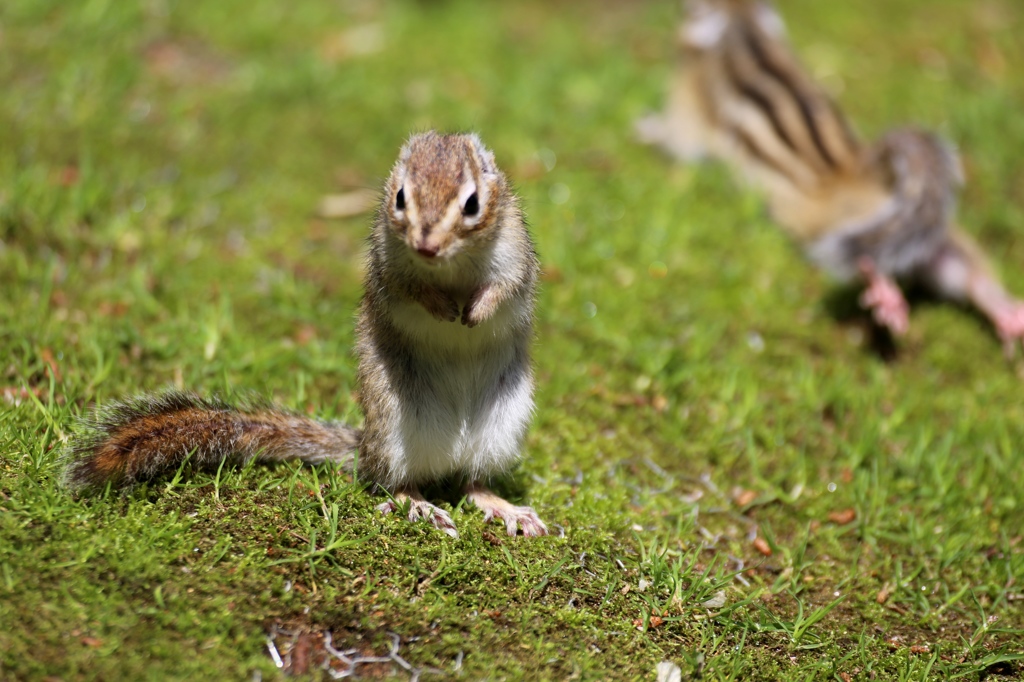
443 341
880 213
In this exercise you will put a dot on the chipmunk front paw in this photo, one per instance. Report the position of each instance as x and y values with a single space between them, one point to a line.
440 306
481 306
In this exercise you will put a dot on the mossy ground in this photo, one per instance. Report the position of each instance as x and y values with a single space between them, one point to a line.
699 385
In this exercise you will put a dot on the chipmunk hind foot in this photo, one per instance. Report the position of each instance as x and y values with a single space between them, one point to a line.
515 517
884 298
420 510
1009 327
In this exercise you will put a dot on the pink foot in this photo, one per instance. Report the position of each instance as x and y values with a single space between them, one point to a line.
495 507
419 509
1009 325
885 300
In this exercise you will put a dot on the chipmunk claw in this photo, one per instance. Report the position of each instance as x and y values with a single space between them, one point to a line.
528 522
441 307
518 518
421 510
482 304
515 518
447 312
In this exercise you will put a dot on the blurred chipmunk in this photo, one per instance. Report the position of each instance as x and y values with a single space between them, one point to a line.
876 213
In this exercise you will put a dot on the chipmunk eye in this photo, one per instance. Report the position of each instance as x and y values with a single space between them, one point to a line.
400 200
472 205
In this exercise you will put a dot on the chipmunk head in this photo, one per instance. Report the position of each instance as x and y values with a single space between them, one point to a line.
443 195
708 20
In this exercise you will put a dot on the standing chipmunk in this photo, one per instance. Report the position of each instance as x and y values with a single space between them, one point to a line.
880 212
443 342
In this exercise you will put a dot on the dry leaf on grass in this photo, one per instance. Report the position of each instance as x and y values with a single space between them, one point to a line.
743 497
716 602
346 205
843 517
356 41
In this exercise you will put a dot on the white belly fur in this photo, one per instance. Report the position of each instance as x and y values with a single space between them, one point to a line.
474 398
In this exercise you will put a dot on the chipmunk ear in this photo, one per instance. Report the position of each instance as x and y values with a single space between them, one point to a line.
406 151
768 19
484 156
705 24
402 162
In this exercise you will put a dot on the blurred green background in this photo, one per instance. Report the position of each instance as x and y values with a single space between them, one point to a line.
161 168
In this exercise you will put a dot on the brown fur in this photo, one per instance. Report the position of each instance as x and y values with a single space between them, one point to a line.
385 356
768 118
448 239
877 212
150 436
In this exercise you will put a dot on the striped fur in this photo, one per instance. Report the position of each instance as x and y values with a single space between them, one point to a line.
764 115
741 96
804 128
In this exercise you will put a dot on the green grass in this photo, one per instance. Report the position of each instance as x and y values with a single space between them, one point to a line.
160 164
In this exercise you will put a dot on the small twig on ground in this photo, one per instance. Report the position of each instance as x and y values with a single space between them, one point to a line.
272 648
705 479
740 565
350 658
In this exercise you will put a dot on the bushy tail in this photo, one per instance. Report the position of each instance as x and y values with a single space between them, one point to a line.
152 435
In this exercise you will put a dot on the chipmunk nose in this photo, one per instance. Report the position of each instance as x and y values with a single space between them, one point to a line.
426 249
